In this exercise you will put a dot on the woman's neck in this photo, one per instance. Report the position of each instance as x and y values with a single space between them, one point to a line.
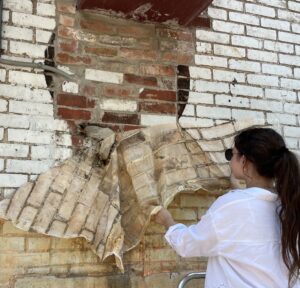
264 183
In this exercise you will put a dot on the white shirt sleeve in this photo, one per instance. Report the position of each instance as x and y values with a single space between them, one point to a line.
196 240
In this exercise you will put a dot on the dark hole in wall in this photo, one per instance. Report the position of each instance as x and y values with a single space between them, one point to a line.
183 86
49 60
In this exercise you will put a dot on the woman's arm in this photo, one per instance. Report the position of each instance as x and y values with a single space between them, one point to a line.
164 218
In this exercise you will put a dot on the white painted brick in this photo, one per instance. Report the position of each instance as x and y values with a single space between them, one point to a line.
30 108
150 120
262 80
290 84
244 65
3 105
204 98
104 76
13 150
260 10
228 76
63 139
275 3
33 21
118 105
194 133
291 143
216 13
229 51
280 94
239 114
261 32
211 146
1 164
244 18
42 123
210 36
25 93
30 50
275 24
202 47
12 180
246 41
17 5
70 87
266 105
197 72
14 121
289 59
205 86
297 72
50 152
292 108
224 26
291 131
229 4
213 112
294 6
289 37
1 133
276 118
27 136
187 122
278 46
25 78
2 75
45 9
42 36
289 15
5 16
232 101
189 110
296 28
217 131
17 33
211 60
297 50
246 90
28 166
277 69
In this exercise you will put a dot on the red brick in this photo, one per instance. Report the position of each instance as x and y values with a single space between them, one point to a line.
178 58
117 90
72 126
89 90
65 113
66 32
136 54
75 101
177 35
66 20
77 140
68 45
69 59
120 118
102 51
97 26
156 69
137 31
132 127
134 79
158 95
66 7
161 108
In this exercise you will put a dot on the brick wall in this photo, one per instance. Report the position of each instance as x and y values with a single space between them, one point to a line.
242 64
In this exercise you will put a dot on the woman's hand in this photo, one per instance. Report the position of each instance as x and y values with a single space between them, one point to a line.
164 218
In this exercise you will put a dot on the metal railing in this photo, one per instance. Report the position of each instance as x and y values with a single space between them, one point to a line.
191 276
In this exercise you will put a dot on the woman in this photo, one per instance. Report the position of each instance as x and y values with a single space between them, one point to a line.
251 235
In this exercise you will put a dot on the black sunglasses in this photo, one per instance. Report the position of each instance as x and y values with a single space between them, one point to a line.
229 154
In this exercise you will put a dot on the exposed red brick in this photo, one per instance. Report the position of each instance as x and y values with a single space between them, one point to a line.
75 101
137 31
69 59
117 90
102 51
66 113
89 90
178 58
132 127
161 108
156 69
97 26
68 45
66 32
134 79
175 34
77 140
137 54
110 117
158 95
72 126
66 20
66 7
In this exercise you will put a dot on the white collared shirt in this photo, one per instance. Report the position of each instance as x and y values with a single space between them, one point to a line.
240 233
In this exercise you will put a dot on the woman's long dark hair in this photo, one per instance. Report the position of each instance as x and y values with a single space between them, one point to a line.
266 149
